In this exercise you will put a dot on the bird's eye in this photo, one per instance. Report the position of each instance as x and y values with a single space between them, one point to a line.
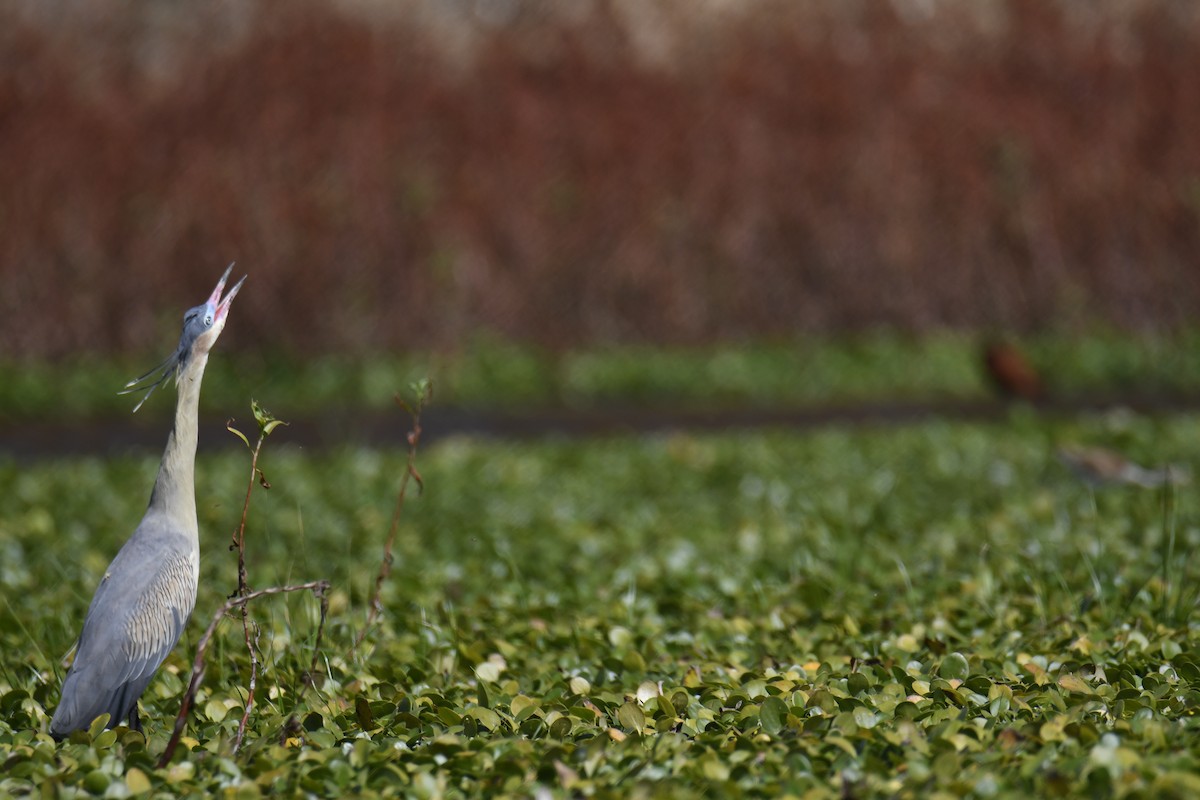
207 320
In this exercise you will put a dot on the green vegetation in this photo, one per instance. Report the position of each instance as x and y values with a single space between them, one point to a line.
491 374
906 612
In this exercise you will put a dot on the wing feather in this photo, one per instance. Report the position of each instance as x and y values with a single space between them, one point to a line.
132 625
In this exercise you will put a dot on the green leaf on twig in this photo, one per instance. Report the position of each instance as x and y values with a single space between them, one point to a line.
265 419
229 427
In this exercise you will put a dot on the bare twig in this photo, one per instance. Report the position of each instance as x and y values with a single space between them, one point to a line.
238 541
266 424
252 646
318 588
423 392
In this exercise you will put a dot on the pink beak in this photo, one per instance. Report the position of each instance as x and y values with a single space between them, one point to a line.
222 305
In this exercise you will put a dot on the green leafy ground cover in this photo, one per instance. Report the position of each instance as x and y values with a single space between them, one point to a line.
940 610
492 374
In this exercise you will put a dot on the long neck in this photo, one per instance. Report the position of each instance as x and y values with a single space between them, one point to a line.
175 488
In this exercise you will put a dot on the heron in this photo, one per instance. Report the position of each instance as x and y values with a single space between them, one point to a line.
149 590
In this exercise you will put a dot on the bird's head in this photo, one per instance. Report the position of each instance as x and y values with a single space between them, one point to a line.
204 323
202 327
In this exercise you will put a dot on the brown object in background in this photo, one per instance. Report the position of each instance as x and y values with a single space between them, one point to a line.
1011 373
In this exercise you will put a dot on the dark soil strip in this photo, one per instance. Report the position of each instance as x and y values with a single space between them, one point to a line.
384 429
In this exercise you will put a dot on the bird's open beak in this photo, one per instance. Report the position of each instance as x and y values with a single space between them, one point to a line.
215 300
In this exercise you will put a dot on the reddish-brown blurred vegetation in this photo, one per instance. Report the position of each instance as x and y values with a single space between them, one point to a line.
560 178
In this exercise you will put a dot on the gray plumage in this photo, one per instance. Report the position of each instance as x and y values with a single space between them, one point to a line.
148 591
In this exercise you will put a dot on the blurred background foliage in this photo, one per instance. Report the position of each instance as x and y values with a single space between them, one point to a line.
420 176
942 371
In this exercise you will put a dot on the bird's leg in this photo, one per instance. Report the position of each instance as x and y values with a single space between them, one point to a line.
135 722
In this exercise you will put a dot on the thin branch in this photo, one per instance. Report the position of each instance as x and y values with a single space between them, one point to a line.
243 587
318 588
239 536
252 646
424 392
266 423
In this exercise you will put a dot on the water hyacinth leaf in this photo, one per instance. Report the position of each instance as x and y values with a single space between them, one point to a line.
845 722
954 667
137 782
631 718
514 576
362 711
857 683
488 671
585 713
665 707
98 725
865 718
646 691
521 706
97 781
215 710
11 701
620 636
486 717
772 715
1074 683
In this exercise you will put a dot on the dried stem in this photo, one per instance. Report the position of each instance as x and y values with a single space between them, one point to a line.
252 646
243 587
424 392
318 588
239 536
266 424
